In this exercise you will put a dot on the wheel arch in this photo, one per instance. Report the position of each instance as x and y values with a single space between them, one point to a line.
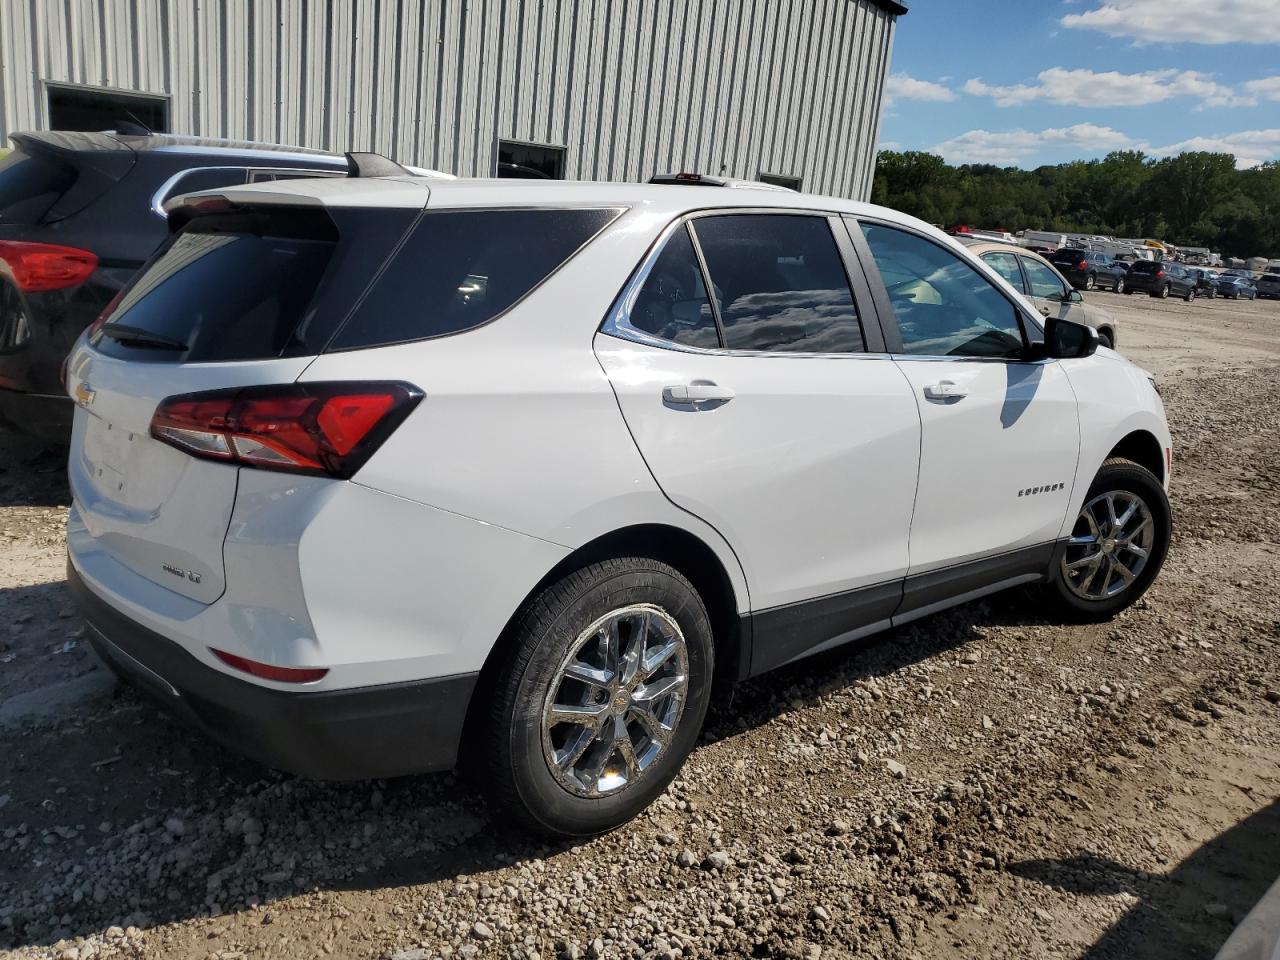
1143 448
681 549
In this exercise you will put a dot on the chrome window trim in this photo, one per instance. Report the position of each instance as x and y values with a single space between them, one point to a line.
617 323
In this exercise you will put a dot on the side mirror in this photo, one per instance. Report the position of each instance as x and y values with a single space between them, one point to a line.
1075 296
1068 340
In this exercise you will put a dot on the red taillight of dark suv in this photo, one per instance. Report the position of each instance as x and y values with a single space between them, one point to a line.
46 266
323 429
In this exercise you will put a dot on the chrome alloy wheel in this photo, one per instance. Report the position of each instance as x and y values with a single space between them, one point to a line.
1110 545
615 700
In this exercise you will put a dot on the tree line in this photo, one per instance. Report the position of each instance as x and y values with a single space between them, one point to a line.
1191 200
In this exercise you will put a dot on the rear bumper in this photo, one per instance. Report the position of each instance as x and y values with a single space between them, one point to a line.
38 415
350 734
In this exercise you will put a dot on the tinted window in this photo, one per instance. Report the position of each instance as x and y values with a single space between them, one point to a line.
1143 266
943 306
461 268
30 185
1006 264
1068 255
214 296
530 161
84 108
673 302
1044 282
779 284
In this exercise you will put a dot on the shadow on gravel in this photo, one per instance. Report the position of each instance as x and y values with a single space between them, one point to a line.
1188 912
32 474
120 816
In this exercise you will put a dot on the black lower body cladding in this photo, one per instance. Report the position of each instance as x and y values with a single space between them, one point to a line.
355 734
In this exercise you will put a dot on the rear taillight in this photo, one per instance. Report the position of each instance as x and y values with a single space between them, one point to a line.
326 429
269 671
1159 274
1082 265
46 266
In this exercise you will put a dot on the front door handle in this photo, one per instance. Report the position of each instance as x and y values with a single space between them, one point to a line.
695 394
945 390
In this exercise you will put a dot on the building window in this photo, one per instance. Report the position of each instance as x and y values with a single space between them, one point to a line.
781 180
88 108
530 161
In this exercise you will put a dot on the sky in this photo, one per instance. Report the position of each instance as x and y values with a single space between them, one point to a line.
1029 82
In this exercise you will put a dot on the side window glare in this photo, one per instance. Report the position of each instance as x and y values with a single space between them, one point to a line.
1044 282
943 306
779 283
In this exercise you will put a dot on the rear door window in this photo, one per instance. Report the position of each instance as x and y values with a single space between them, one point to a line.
779 283
30 185
673 303
1006 264
460 269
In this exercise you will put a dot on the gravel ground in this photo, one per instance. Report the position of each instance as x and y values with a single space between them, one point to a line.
984 783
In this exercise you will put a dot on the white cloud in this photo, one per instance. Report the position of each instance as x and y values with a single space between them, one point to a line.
1010 148
1268 88
1088 88
1251 147
1183 21
900 86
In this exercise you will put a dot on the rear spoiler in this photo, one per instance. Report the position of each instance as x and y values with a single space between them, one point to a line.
100 162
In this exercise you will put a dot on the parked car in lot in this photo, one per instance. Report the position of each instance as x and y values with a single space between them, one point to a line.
79 214
1161 279
1088 269
1206 281
376 476
1036 278
1237 287
1268 285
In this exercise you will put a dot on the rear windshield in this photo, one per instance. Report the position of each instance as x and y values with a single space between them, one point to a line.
29 186
1143 266
219 292
1068 254
460 269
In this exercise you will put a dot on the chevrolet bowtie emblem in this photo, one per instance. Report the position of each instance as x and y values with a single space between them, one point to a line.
85 394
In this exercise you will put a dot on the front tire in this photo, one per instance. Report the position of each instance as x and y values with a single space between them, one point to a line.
1189 295
1120 285
1104 339
1117 545
1090 282
601 699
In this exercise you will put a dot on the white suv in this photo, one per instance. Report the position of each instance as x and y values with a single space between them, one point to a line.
365 468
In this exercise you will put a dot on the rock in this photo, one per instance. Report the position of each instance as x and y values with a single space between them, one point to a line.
175 827
837 828
896 769
820 913
1273 696
482 931
415 953
686 858
596 950
1217 909
719 860
1044 916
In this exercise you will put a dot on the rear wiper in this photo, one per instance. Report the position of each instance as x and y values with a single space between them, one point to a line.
136 336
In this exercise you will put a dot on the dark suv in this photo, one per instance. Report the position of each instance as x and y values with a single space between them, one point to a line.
79 213
1087 269
1161 279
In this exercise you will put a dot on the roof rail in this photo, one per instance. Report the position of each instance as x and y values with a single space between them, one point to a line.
705 180
373 165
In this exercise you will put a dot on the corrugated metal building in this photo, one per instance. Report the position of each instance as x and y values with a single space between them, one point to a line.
584 89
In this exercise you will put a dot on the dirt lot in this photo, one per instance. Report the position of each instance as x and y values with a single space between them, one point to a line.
1104 791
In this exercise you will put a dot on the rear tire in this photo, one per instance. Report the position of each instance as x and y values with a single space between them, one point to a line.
1163 292
1190 294
1120 286
1090 282
1102 570
578 739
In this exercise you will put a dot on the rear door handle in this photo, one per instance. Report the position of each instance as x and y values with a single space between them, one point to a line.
945 390
694 394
